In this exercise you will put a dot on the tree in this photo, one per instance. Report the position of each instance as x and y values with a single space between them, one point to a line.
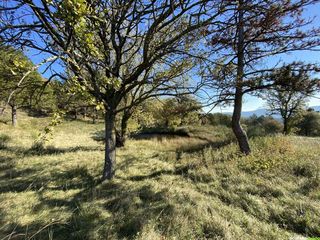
64 96
14 92
146 114
46 100
262 126
109 45
76 102
188 110
177 111
217 119
289 99
255 31
309 124
177 73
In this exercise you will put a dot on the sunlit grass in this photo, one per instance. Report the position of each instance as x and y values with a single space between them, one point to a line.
196 187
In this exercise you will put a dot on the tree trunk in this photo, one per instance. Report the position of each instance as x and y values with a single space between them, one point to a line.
236 116
85 113
122 135
110 146
236 126
14 115
94 115
166 124
75 114
285 126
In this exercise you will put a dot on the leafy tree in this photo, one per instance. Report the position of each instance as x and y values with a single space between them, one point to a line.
217 119
255 31
46 99
79 103
19 83
167 112
262 126
289 99
309 124
146 113
188 109
177 111
69 99
177 73
109 45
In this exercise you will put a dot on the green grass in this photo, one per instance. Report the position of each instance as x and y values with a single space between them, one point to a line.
195 187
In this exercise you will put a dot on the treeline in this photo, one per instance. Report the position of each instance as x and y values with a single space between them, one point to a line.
306 122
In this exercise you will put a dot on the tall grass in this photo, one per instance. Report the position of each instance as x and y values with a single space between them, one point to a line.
196 187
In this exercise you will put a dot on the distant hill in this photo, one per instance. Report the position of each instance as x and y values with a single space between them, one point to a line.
263 111
316 108
258 112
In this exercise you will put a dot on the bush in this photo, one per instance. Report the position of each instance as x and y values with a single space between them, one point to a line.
310 124
183 132
268 153
262 126
217 119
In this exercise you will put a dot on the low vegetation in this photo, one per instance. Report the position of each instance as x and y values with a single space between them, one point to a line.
196 186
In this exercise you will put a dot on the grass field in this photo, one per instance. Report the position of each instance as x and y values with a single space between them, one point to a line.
195 187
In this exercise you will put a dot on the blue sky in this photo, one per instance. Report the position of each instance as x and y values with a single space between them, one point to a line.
250 102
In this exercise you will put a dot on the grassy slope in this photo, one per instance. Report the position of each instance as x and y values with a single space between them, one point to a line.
179 188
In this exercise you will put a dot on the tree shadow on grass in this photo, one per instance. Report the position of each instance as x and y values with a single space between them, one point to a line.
19 180
129 208
134 208
202 146
29 179
160 135
98 136
78 178
6 163
49 150
181 170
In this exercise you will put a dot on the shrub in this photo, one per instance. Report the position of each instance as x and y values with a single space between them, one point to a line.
262 126
268 153
217 119
310 124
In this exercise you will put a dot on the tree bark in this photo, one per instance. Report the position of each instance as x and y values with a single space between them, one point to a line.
94 115
285 126
75 114
110 146
122 135
14 115
85 113
236 116
236 126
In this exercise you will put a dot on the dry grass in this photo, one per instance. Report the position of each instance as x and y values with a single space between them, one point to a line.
165 188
